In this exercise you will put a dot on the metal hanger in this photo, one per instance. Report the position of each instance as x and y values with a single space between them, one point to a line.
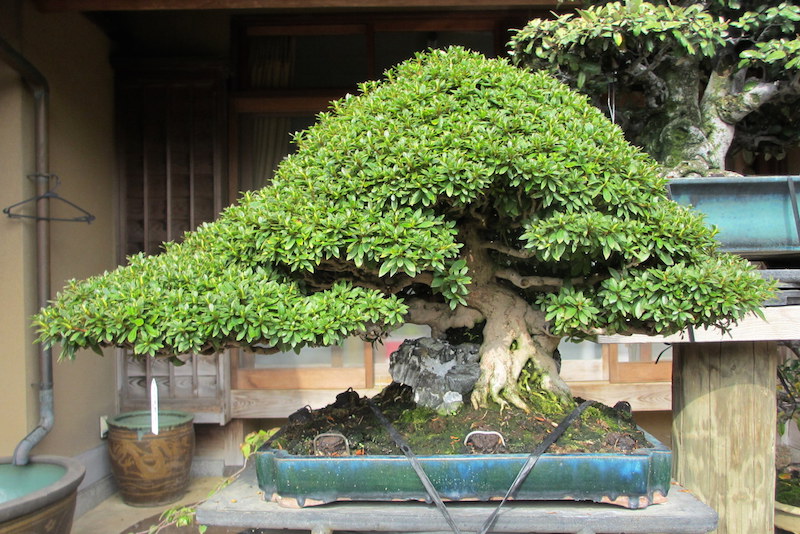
50 194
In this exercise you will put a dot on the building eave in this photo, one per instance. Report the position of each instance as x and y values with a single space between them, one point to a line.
173 5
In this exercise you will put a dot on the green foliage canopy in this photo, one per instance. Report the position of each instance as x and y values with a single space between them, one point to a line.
373 209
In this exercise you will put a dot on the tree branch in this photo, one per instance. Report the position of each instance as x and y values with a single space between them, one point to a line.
341 271
657 91
547 282
529 282
440 317
508 251
736 107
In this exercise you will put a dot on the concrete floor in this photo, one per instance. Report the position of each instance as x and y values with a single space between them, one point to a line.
113 516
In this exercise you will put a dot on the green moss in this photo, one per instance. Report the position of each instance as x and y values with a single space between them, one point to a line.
787 491
540 400
417 417
599 429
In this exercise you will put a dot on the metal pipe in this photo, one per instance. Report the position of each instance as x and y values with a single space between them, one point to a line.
38 86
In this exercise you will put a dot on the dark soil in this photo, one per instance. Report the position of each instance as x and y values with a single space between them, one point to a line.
599 429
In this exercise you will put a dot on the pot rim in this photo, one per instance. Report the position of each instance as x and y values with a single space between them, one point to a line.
118 420
51 493
783 507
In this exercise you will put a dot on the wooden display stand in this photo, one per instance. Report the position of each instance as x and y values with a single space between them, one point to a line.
723 433
242 504
724 430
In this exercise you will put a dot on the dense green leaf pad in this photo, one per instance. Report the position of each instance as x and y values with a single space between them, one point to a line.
375 205
617 33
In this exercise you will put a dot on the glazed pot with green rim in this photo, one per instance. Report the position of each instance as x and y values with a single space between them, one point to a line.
150 469
40 496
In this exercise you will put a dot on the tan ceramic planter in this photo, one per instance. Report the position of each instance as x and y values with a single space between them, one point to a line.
150 469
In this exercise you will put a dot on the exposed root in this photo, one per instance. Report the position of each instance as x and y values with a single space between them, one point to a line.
502 363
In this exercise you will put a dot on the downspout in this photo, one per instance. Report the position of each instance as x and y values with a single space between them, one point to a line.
38 86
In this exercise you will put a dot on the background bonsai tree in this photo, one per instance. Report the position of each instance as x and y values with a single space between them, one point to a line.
460 190
691 83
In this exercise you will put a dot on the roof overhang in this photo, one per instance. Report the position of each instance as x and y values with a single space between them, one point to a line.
163 5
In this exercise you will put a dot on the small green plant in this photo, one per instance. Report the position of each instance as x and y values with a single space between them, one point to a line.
184 515
787 489
418 417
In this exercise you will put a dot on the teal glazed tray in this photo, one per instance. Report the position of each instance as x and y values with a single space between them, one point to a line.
634 480
756 215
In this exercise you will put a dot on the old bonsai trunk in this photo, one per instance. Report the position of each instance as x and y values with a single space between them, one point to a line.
514 335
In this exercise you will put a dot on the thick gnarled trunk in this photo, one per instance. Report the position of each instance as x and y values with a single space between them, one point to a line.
693 130
514 335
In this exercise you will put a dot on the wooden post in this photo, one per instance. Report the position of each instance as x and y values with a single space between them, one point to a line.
234 437
723 431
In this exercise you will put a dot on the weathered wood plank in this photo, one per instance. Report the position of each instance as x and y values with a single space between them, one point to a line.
302 378
277 404
242 505
621 372
204 410
644 397
584 370
724 430
779 323
233 439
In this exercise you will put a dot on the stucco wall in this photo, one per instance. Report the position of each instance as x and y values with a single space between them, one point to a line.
72 54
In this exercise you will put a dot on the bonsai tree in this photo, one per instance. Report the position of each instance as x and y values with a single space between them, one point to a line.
459 191
689 83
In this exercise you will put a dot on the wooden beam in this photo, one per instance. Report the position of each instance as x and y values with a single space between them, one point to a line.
284 104
278 404
301 378
723 433
159 5
643 397
233 439
584 370
779 323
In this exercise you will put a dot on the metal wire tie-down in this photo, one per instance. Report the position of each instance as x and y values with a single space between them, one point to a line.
533 458
793 202
398 439
523 473
486 433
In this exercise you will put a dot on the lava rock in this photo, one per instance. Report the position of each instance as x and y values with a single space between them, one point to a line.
440 374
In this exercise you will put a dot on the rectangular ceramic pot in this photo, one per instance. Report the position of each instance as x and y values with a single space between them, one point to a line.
633 480
756 215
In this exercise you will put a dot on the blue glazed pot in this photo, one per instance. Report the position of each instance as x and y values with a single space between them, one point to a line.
755 215
633 480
